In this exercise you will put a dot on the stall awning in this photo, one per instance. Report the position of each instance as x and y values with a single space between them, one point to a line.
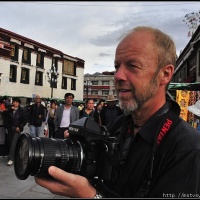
185 86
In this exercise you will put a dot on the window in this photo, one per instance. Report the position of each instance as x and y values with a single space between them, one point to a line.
69 68
64 82
13 73
105 92
95 83
14 52
105 82
26 58
24 75
73 84
39 78
40 60
94 92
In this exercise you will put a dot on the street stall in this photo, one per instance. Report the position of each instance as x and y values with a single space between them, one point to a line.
186 94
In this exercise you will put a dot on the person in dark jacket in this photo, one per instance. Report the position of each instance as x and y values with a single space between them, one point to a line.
111 111
89 111
15 121
36 116
158 154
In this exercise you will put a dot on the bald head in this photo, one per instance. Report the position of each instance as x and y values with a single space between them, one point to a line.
163 43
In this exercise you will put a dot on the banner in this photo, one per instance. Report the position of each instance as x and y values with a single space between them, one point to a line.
182 98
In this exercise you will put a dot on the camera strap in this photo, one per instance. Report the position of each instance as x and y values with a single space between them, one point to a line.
166 125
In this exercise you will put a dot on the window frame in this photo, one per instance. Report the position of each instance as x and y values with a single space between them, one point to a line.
27 75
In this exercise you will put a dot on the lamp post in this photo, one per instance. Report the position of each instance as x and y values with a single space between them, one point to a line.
52 75
87 85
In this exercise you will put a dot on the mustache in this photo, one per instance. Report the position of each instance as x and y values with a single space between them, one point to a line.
124 87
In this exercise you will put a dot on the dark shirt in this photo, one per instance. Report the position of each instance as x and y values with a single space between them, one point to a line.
35 111
17 118
93 115
108 114
176 168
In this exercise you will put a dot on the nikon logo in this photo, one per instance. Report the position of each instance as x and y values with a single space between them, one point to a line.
73 129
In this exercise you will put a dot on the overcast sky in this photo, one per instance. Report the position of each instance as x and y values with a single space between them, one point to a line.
90 30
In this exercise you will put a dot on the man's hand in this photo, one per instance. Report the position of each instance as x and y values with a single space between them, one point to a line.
67 184
66 134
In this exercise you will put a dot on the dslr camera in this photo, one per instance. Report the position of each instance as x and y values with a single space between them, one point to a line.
84 152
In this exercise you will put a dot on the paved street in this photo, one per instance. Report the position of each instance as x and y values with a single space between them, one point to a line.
13 188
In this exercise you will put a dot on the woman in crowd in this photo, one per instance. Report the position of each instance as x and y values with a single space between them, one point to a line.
89 111
50 119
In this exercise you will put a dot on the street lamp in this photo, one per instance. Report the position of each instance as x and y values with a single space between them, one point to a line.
87 85
52 75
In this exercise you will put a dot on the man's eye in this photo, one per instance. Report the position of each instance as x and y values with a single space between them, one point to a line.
116 67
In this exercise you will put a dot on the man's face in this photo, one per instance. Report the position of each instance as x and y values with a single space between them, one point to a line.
15 103
136 74
37 99
112 103
69 100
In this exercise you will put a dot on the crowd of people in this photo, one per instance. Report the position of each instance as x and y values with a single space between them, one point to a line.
157 154
13 119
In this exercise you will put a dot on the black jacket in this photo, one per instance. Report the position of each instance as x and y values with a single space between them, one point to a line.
8 114
103 114
34 113
176 161
94 115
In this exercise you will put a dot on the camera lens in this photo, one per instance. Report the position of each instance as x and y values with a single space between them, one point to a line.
34 155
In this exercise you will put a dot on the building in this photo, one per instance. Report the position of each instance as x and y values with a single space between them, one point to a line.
28 67
188 63
99 85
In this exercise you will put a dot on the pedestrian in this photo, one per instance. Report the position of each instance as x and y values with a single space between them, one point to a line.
50 119
4 148
99 106
65 115
159 153
7 101
81 106
36 116
16 119
111 111
90 112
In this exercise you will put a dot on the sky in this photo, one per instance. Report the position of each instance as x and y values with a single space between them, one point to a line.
91 30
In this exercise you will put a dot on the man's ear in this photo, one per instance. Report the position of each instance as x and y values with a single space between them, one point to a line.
167 73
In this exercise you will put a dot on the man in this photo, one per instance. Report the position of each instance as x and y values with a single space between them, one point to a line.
65 115
111 111
36 116
159 153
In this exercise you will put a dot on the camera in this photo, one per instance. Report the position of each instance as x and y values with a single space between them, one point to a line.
84 152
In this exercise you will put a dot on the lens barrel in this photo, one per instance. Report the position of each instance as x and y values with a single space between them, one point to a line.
34 155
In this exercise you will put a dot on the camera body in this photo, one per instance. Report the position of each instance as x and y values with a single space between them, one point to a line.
84 152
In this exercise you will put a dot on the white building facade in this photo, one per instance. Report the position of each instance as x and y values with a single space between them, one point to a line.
99 85
24 64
